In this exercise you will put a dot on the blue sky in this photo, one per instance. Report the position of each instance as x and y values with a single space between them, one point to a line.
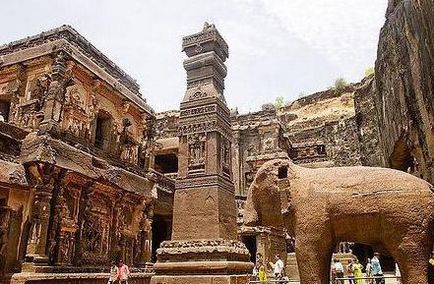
277 47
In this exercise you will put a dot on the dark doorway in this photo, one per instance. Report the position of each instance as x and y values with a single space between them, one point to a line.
103 130
167 163
250 242
4 109
161 231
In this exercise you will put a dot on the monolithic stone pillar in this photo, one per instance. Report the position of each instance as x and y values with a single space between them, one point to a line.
204 246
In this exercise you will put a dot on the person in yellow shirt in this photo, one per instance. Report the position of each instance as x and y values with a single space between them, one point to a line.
262 274
357 271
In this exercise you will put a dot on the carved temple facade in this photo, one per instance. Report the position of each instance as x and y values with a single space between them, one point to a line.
88 169
77 188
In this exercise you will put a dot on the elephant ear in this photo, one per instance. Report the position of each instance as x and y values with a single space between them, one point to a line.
252 216
264 200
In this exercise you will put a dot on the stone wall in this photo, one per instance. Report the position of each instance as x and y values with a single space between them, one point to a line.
322 128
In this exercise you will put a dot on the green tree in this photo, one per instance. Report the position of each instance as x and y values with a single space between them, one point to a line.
279 102
369 71
340 84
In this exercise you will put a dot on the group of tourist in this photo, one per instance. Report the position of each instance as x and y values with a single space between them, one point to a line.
260 270
354 271
119 273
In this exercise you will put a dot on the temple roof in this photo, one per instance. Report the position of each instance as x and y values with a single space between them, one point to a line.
66 32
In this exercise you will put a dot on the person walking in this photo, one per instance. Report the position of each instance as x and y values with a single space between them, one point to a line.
113 274
339 268
277 267
350 271
357 270
376 268
333 273
123 272
369 272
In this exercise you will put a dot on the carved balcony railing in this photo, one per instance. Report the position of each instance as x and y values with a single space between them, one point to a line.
111 153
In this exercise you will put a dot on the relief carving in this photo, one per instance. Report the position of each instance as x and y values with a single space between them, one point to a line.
38 90
128 145
196 151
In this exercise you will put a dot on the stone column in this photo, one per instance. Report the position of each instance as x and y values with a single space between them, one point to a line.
37 243
204 246
144 245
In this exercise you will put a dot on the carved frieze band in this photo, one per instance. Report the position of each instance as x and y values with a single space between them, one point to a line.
207 181
205 126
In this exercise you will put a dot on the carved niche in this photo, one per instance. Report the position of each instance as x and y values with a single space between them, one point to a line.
77 117
95 230
31 108
196 152
226 156
128 144
143 242
65 225
125 230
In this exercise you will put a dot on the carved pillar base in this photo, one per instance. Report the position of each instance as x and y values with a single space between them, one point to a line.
202 261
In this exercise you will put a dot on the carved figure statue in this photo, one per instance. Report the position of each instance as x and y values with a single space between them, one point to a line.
383 208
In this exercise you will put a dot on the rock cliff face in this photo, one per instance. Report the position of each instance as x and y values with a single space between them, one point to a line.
404 87
367 126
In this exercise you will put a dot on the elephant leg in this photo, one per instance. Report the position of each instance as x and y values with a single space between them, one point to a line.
314 259
412 255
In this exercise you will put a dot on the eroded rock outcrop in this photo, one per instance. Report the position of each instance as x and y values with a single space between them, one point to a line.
404 87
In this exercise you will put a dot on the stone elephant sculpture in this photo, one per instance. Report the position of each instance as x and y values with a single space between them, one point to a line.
322 207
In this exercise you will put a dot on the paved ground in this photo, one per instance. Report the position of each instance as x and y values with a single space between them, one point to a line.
388 281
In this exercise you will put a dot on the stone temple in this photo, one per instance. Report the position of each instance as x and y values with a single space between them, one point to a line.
90 173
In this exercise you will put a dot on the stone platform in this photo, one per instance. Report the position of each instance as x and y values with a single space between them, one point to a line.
202 261
71 278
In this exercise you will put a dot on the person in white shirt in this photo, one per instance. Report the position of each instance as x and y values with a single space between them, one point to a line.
277 267
339 268
255 272
2 118
113 273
